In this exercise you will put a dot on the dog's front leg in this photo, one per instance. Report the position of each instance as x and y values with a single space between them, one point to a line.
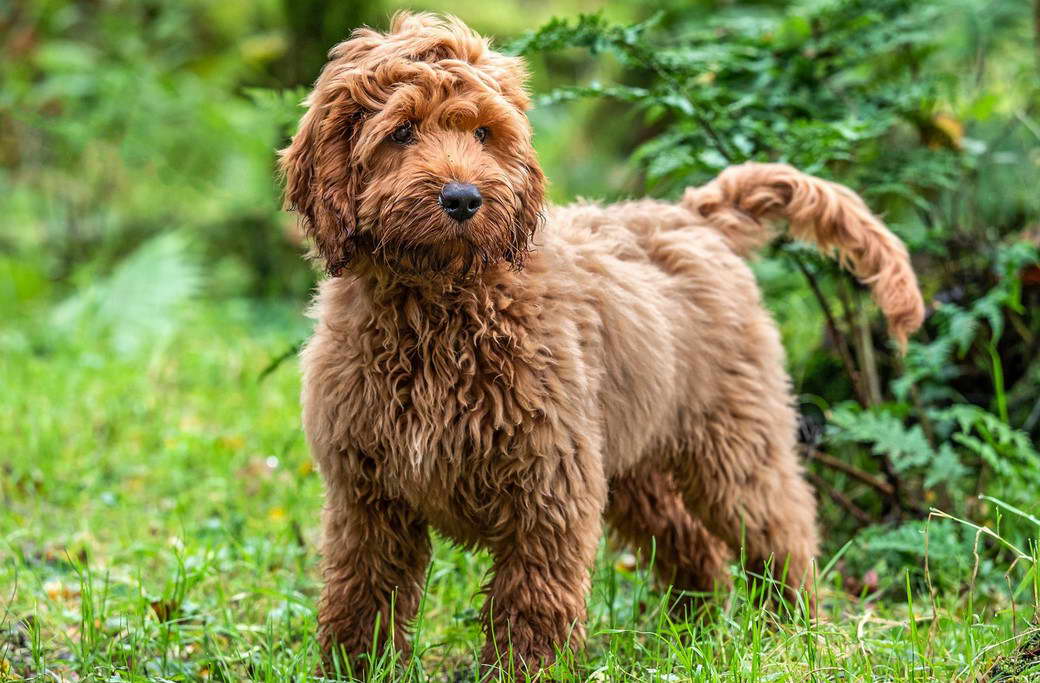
374 557
536 599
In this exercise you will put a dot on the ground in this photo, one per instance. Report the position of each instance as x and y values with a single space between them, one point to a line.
158 514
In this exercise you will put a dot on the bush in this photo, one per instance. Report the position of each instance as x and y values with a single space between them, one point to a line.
875 95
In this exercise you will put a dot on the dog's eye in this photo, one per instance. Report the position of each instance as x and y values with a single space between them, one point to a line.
403 134
481 134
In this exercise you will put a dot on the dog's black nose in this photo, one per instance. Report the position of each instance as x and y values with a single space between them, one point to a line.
460 200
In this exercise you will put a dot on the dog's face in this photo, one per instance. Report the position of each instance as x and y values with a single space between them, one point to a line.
416 151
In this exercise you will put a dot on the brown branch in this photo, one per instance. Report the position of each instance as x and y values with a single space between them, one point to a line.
841 499
862 343
895 502
867 360
836 334
846 303
854 472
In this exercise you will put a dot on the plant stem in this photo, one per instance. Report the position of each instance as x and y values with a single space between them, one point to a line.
836 334
863 344
868 361
841 499
854 472
998 382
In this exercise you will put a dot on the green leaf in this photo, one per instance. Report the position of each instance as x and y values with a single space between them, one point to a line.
141 302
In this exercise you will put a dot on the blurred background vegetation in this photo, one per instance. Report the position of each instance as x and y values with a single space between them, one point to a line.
139 206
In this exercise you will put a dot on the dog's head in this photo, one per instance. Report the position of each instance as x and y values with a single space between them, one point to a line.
415 150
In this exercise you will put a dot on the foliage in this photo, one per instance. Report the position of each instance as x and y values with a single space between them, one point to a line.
906 448
140 301
157 511
135 129
801 89
863 92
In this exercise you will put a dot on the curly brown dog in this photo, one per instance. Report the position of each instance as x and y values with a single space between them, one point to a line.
510 373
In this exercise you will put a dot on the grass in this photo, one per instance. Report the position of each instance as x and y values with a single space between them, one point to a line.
158 518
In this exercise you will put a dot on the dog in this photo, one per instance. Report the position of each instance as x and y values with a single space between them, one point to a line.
511 373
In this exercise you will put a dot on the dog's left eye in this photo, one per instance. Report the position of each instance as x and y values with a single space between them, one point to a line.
481 134
403 134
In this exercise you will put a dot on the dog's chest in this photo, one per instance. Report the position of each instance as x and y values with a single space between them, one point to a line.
450 394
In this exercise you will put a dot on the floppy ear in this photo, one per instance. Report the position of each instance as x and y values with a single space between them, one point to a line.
322 180
530 215
532 195
510 73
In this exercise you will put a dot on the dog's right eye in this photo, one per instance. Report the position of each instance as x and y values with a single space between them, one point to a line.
403 134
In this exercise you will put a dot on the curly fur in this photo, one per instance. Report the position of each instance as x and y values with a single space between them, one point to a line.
509 383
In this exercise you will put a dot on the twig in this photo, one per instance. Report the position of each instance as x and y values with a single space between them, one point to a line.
854 472
278 360
836 334
702 120
1034 417
840 498
901 505
704 123
896 501
868 361
863 343
1016 321
846 304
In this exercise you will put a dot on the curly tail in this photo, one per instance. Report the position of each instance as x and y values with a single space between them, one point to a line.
830 215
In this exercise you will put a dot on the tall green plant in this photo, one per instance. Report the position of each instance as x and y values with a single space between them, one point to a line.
898 99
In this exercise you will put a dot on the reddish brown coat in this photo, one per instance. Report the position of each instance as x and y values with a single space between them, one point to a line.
509 380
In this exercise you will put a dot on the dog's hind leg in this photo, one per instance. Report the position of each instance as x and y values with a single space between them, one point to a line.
741 474
743 480
646 512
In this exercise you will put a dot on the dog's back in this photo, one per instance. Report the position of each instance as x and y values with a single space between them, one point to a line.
677 310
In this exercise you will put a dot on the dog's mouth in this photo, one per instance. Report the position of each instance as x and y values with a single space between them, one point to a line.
420 237
456 258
